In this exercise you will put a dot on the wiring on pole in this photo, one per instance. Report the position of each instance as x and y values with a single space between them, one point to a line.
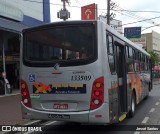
77 1
63 13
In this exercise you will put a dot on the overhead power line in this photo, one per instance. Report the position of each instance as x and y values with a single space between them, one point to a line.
131 16
134 15
151 26
130 13
136 11
141 20
77 1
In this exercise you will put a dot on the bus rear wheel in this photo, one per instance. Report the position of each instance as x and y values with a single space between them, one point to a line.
133 106
148 90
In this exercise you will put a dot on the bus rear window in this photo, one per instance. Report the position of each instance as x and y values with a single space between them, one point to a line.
60 44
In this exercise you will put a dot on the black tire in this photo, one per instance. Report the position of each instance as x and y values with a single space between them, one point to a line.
147 92
133 106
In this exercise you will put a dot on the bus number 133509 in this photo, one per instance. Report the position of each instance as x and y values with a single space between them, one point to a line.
81 78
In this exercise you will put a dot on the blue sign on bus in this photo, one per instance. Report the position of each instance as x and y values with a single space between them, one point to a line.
132 32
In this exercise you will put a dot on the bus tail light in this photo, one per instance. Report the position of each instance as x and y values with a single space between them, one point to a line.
97 96
25 94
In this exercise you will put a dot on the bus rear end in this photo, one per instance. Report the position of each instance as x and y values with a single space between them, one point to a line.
61 76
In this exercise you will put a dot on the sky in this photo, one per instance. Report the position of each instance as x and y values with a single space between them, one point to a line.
153 6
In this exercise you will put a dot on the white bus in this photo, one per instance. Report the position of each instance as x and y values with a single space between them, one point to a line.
81 71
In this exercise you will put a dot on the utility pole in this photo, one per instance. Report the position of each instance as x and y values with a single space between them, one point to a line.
108 12
63 13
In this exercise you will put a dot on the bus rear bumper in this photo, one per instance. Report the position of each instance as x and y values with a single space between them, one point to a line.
94 116
29 113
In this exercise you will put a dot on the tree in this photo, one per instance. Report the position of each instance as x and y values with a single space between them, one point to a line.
154 57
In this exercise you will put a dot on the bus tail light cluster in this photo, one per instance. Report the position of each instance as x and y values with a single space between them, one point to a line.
97 96
25 94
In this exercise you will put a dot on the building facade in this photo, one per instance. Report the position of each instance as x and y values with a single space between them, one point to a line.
16 15
140 42
149 41
152 42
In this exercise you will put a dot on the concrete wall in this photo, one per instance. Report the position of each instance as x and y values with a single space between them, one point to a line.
149 42
156 42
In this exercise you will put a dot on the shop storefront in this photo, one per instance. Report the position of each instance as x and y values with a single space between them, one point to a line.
12 22
9 53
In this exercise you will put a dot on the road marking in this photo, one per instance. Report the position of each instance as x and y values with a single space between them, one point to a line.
29 132
137 132
152 110
30 123
157 103
145 120
4 132
52 122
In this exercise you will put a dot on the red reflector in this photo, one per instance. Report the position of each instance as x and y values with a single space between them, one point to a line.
97 93
98 116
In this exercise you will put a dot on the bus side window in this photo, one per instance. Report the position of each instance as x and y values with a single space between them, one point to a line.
134 55
111 63
137 66
126 51
110 46
130 67
146 64
130 53
110 50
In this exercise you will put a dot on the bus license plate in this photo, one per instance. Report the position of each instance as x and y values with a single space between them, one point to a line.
60 106
58 116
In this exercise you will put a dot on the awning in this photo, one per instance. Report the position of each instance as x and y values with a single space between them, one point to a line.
8 25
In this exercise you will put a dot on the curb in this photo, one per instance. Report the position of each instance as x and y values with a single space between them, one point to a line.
8 95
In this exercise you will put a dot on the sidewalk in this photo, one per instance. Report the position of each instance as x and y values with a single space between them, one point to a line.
156 81
10 109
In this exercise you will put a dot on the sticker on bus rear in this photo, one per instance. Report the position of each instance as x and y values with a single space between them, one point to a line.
59 88
32 77
35 96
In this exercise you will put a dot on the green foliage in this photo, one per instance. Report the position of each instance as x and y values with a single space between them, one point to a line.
154 57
